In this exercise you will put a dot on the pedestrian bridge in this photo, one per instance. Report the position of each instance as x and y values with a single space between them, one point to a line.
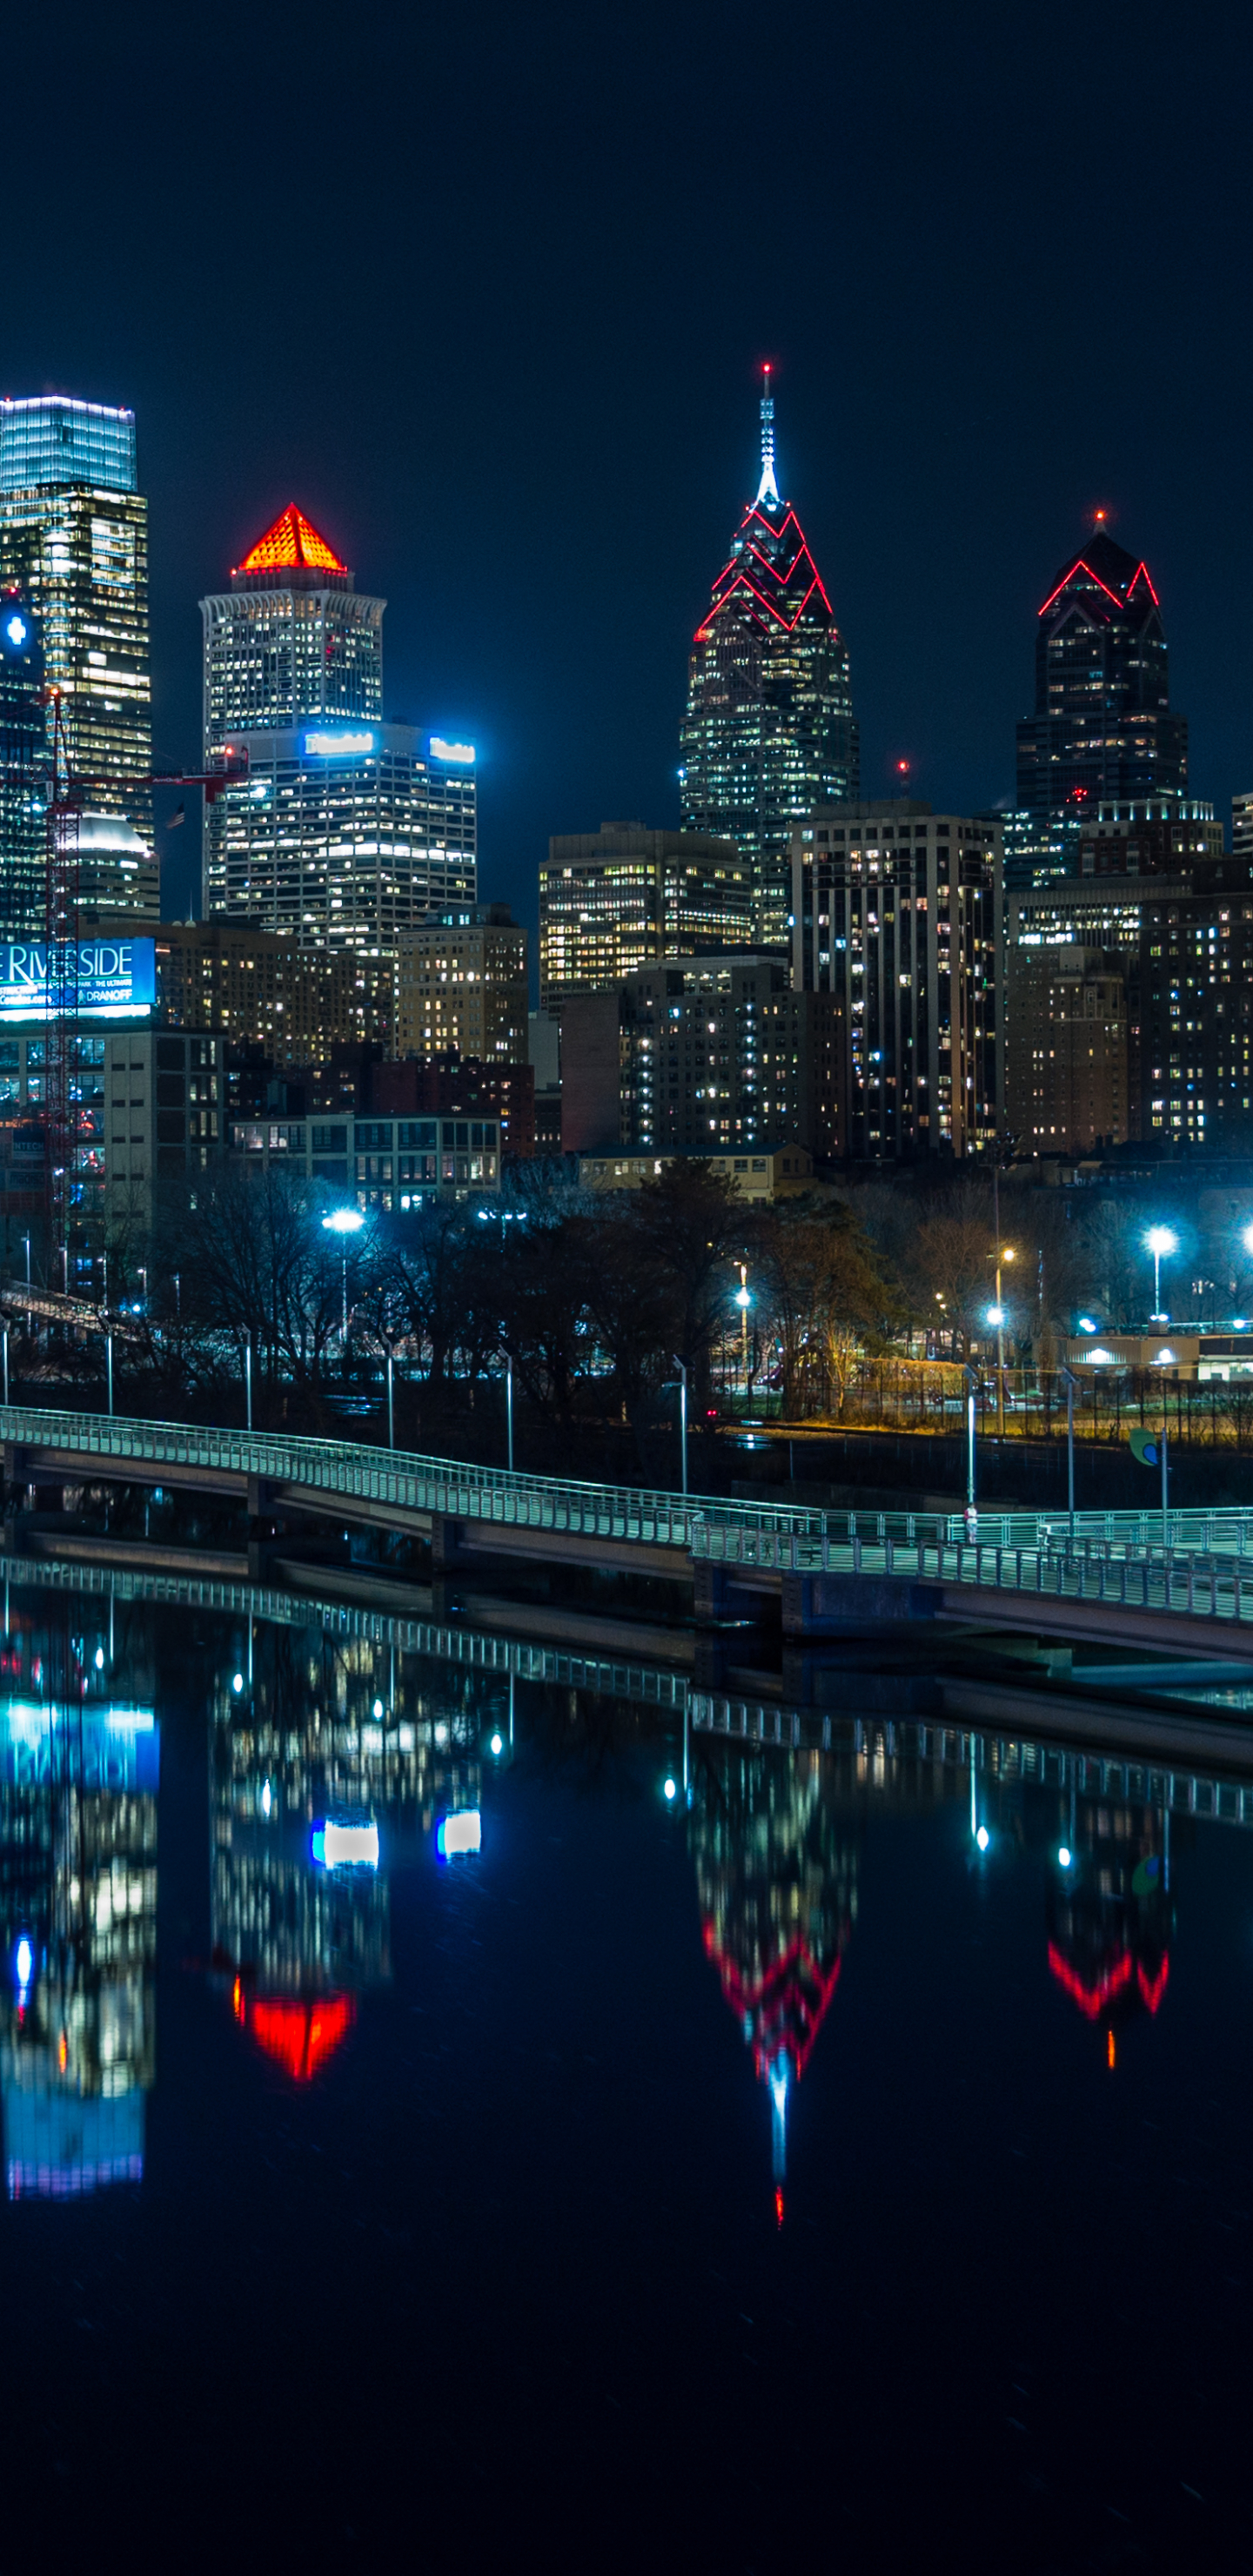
1109 1573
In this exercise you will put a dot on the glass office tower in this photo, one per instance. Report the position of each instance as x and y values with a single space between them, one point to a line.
346 830
769 731
1102 729
23 770
74 537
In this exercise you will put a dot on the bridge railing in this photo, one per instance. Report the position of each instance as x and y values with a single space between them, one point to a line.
1199 1582
1229 1528
408 1481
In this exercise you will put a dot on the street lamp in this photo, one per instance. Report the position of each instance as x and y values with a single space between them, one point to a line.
996 1315
1160 1240
345 1222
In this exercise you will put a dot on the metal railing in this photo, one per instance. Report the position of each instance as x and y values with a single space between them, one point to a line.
407 1482
1199 1582
1228 1528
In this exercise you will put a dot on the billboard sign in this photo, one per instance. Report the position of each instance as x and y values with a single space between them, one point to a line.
117 980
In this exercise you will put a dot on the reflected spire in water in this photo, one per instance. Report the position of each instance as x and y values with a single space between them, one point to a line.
1110 1915
776 1875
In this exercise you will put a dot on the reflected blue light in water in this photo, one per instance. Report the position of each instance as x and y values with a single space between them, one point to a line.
671 1789
983 1838
1064 1857
458 1835
498 1744
267 1799
99 1659
340 1846
24 1961
237 1683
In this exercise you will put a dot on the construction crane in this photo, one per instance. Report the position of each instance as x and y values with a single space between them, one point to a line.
65 808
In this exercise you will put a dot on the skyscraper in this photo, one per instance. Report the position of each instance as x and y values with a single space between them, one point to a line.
898 917
769 731
346 830
23 770
74 536
1102 729
611 900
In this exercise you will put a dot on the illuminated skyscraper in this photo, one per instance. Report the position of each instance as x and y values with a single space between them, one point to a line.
1102 727
23 770
74 536
769 731
346 830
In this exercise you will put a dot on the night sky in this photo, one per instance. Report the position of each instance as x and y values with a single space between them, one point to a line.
486 290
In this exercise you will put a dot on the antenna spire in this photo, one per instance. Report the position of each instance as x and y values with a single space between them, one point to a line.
767 489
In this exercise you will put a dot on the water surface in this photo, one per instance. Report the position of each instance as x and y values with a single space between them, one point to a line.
755 2171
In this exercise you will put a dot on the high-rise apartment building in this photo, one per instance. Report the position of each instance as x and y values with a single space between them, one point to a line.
23 770
1068 1063
701 1055
898 918
346 830
1242 825
462 985
1102 730
1187 943
74 536
769 731
609 901
251 988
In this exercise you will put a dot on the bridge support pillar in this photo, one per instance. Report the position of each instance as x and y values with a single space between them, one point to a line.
446 1543
852 1604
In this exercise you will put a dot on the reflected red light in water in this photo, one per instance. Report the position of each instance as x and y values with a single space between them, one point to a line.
1090 1999
778 2203
302 2033
1109 2045
1154 1989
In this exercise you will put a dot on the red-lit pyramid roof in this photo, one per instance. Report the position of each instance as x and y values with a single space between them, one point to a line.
292 542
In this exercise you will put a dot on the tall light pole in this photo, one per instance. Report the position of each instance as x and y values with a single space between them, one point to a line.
972 1390
996 1315
345 1222
1160 1241
682 1419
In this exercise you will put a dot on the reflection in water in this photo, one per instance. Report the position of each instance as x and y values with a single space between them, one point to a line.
1109 1911
328 1760
78 1883
776 1875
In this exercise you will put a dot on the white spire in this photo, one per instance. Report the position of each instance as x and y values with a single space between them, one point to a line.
767 489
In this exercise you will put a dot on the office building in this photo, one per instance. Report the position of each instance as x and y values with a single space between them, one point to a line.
1068 1059
1242 826
257 988
346 830
119 876
544 1057
1188 946
23 770
74 536
759 1177
1102 730
610 901
394 1165
462 984
1149 836
456 1086
898 920
702 1055
769 730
